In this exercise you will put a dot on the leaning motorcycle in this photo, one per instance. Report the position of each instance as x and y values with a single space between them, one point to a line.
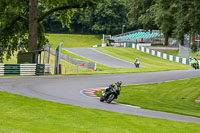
111 95
195 64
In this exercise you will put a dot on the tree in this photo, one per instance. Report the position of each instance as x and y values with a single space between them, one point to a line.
109 18
141 15
21 24
181 17
187 19
106 18
164 11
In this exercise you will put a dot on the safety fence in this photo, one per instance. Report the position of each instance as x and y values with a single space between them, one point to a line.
24 69
77 62
154 53
157 53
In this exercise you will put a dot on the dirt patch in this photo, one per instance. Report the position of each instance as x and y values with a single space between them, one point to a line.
197 100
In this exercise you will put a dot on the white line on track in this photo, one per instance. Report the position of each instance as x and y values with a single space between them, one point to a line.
130 106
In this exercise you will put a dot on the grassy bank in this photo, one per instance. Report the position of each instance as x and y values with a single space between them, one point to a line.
21 114
149 61
176 96
74 40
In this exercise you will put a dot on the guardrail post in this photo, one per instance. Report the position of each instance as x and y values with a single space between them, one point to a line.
57 60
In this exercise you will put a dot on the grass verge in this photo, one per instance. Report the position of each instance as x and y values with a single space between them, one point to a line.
21 114
152 63
176 96
74 40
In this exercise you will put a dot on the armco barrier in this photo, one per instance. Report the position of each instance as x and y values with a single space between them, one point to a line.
77 62
24 69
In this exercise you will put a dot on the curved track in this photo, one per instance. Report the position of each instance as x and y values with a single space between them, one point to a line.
101 58
66 89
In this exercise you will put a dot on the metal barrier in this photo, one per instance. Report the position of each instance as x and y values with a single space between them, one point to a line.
77 62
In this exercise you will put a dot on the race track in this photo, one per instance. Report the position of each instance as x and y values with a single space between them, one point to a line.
101 58
67 90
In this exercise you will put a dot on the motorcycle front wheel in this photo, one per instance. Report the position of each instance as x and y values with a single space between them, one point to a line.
102 99
110 98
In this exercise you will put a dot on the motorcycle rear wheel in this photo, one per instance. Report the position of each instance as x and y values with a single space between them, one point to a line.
110 98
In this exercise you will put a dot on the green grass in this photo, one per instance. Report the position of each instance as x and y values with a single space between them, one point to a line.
171 52
21 114
176 96
74 40
152 63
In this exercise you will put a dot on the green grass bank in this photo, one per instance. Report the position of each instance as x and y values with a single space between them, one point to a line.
151 63
21 114
73 40
175 97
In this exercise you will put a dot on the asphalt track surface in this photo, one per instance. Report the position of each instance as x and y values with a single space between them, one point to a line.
67 90
96 56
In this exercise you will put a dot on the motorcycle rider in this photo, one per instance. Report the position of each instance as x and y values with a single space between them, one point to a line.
137 63
116 86
194 63
197 63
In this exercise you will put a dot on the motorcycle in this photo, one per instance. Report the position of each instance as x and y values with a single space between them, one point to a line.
195 64
137 64
110 95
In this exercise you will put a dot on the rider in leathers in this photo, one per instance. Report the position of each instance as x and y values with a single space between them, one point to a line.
117 85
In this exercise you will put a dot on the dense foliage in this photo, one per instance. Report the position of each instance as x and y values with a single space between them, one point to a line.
107 18
21 26
170 16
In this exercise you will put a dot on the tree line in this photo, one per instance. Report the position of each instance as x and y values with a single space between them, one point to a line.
106 18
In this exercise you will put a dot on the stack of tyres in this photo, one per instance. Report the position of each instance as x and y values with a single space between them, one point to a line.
40 69
11 69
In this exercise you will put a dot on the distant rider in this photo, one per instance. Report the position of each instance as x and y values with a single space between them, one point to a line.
194 62
137 63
